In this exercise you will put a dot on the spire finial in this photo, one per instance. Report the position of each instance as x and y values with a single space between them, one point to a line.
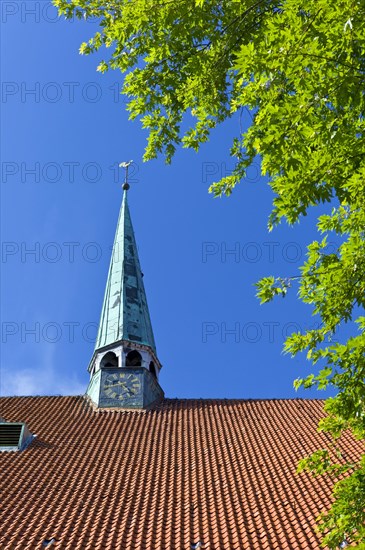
125 165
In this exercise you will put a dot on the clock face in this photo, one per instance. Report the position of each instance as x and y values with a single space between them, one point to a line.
121 385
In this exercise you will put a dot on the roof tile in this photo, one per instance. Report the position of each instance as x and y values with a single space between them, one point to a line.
219 472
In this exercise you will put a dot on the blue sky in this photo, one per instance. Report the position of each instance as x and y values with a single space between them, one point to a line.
64 130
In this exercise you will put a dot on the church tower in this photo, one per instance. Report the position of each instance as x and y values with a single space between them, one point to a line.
124 368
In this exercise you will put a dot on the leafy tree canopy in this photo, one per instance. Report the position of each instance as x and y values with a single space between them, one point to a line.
299 67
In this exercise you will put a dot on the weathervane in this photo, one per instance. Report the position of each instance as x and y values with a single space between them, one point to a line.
125 165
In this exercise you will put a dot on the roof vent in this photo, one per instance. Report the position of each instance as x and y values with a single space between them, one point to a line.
14 436
48 542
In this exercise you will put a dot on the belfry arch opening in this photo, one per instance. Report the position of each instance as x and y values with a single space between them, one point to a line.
133 359
109 361
152 369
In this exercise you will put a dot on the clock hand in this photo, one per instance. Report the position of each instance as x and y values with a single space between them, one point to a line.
115 384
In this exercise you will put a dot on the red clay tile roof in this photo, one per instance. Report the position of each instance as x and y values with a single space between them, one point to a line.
218 472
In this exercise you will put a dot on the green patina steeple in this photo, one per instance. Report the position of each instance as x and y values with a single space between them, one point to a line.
125 315
124 368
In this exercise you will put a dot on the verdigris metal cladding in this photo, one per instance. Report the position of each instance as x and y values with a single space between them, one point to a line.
125 314
128 388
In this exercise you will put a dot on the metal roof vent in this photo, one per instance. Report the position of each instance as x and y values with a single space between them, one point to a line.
48 542
14 436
